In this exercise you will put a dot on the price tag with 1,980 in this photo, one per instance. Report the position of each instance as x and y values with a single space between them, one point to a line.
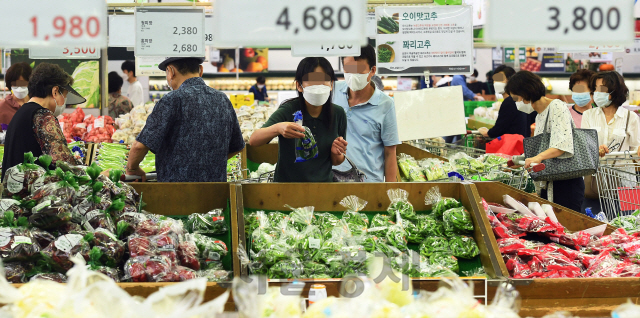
170 32
284 22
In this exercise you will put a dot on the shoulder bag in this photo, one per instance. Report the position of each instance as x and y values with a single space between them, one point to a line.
585 158
352 175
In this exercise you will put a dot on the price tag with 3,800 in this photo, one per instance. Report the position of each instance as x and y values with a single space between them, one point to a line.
303 50
64 53
32 23
609 22
283 22
170 32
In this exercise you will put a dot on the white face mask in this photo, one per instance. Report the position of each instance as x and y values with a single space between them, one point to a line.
59 108
356 81
601 99
499 87
260 86
20 92
316 95
525 108
471 79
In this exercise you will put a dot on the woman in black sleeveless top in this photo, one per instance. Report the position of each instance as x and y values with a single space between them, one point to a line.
34 128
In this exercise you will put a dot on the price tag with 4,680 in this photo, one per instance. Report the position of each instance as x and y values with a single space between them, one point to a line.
609 22
170 32
284 22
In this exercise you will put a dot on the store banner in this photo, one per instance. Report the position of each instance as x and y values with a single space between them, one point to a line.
591 48
279 23
32 23
415 40
552 62
170 32
510 55
304 50
82 53
609 22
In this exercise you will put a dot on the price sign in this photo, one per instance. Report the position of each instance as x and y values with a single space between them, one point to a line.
169 32
31 23
208 30
120 31
282 22
560 22
64 53
303 50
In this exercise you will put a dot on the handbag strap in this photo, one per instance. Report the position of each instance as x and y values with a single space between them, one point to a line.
625 134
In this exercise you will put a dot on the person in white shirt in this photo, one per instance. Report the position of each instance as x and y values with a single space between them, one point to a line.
135 92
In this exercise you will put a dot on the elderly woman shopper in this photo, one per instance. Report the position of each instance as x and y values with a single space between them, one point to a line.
528 92
35 128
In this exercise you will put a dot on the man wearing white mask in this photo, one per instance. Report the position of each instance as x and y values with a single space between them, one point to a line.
35 128
193 130
372 129
16 80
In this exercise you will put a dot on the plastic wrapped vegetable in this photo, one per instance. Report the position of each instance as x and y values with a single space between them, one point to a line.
20 180
140 246
166 245
396 237
277 218
147 269
17 244
433 244
458 220
465 164
410 168
381 220
94 201
58 254
445 259
301 217
326 221
287 269
308 242
433 169
400 205
464 246
65 189
521 223
112 249
495 160
439 203
211 223
414 234
51 213
356 221
15 272
208 248
306 148
13 206
127 222
215 275
96 264
188 253
315 270
54 277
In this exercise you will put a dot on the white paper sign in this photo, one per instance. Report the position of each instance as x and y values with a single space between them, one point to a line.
412 40
372 27
148 65
169 32
635 49
560 22
31 23
404 84
430 112
208 30
68 53
283 22
299 50
121 31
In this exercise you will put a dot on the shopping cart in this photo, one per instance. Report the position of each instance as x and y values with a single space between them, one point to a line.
618 184
474 139
438 147
263 178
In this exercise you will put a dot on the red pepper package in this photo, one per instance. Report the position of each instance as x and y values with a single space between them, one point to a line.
603 265
17 244
135 269
170 226
58 253
500 230
627 269
21 179
577 239
165 245
158 267
510 245
147 227
556 225
185 273
523 223
140 246
188 253
518 268
149 269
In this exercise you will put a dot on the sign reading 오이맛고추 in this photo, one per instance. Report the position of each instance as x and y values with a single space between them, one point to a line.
413 40
170 32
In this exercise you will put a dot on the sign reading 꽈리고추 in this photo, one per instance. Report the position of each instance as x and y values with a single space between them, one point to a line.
415 40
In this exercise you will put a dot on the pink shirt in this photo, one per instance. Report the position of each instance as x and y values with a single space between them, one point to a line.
8 107
577 117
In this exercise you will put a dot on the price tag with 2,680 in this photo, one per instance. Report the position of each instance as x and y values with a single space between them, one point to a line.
609 22
284 22
33 23
170 32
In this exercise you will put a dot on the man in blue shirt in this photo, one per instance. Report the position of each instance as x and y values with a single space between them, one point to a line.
460 80
259 90
372 130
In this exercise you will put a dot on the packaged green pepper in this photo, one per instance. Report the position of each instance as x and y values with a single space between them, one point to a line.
309 242
414 233
397 237
410 168
463 246
433 244
211 223
400 205
439 204
301 217
444 259
357 222
287 269
315 270
381 220
458 220
433 169
326 221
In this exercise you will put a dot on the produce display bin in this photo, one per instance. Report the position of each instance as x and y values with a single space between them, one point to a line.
470 106
475 123
252 157
584 297
325 197
416 152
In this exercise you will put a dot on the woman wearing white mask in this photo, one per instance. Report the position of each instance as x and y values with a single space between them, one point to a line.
326 122
35 128
16 80
528 92
510 120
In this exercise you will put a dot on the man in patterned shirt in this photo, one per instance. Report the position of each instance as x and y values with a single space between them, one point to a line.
193 130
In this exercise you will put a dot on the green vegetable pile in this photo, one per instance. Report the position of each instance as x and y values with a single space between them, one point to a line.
384 54
388 25
410 168
433 169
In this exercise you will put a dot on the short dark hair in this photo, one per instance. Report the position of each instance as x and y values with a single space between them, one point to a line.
130 66
260 80
579 76
475 73
526 85
45 77
187 65
615 83
115 82
15 71
367 53
508 71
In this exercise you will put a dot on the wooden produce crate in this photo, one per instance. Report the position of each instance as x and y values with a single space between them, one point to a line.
475 123
584 297
252 157
179 200
416 152
325 197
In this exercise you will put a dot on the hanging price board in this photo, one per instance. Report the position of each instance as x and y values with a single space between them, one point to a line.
208 30
303 50
282 22
31 23
169 32
71 52
608 22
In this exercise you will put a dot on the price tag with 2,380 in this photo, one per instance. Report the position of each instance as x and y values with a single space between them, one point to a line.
33 23
170 32
284 22
609 22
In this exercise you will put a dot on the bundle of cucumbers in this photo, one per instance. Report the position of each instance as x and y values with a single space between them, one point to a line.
388 25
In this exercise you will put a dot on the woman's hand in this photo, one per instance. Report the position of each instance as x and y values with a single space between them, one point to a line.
529 161
484 131
290 130
339 146
603 150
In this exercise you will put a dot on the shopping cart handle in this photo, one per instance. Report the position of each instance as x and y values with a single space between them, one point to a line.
136 177
535 167
620 153
473 132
